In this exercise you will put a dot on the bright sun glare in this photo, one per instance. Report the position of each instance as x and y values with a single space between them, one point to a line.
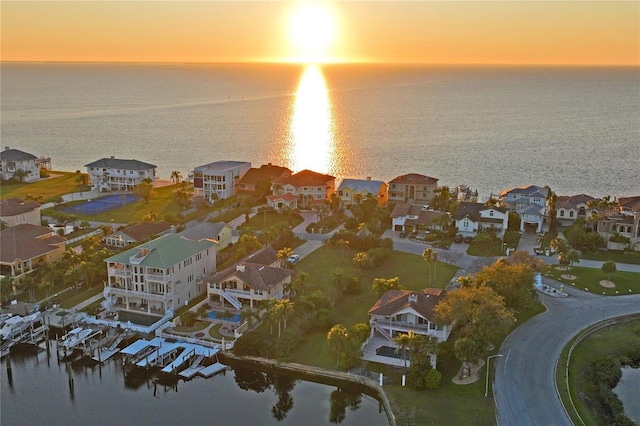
312 31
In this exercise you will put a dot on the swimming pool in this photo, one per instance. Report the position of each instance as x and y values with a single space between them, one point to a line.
219 315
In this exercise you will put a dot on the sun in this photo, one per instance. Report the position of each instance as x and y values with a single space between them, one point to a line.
312 31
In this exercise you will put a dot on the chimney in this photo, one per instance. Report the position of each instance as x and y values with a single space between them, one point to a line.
113 157
240 268
413 297
6 148
368 177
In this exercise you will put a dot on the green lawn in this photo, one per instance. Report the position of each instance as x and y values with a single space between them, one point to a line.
49 189
72 301
197 326
352 309
625 257
486 250
589 278
609 341
264 220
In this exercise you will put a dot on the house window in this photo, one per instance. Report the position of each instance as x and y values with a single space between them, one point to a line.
340 193
491 213
561 213
432 326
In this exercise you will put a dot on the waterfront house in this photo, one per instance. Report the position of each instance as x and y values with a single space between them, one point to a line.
301 190
13 160
247 282
218 180
266 174
356 190
25 246
629 204
137 233
219 232
114 174
160 275
573 207
472 218
529 202
412 188
14 211
623 228
399 311
408 217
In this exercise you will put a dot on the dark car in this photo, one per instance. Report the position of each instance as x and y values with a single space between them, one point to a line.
458 238
468 239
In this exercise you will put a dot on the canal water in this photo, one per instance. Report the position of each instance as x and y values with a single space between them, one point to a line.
37 390
628 390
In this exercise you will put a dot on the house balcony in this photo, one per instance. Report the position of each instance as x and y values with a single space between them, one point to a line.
239 293
120 273
403 327
158 278
154 296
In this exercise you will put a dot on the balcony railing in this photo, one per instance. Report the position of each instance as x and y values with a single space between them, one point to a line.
159 278
403 325
238 293
115 272
142 294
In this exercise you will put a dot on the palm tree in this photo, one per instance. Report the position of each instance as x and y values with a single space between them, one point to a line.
176 176
466 350
202 312
299 282
609 267
29 284
283 255
431 258
284 310
342 244
248 315
21 174
46 286
404 341
337 338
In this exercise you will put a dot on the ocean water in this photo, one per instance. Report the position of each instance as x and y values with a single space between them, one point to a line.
574 129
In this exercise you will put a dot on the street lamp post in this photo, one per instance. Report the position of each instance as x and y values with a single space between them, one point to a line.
486 388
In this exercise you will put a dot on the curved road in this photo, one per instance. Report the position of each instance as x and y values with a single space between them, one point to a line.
524 389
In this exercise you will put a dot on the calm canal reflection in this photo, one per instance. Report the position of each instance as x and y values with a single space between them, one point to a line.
37 391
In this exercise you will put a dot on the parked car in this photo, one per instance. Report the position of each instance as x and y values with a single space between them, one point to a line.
468 239
293 258
403 234
458 238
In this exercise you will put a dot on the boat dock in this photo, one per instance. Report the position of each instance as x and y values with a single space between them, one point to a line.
22 330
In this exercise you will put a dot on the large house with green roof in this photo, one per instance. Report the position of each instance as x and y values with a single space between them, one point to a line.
160 275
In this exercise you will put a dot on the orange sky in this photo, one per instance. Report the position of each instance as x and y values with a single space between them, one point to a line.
444 32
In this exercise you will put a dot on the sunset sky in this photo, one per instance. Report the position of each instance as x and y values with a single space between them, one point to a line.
437 32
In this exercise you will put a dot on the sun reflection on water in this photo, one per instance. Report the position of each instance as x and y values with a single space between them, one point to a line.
312 144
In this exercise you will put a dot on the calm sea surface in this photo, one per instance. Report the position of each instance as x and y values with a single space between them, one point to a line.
38 393
574 129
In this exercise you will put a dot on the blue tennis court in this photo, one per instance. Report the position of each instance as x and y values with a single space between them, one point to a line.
102 204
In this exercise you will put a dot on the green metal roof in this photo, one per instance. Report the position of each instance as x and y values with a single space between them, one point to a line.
164 251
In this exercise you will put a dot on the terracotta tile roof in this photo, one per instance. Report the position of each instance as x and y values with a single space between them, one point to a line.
287 197
265 172
257 277
414 179
572 201
16 206
394 301
630 203
305 178
143 230
26 241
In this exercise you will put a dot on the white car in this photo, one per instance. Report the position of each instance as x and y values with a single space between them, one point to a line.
293 258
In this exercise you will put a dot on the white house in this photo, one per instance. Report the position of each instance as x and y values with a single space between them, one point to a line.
529 202
472 218
406 217
399 311
12 160
160 275
573 207
113 174
352 189
14 211
218 180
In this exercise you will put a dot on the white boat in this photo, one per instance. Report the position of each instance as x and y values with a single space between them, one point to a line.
75 336
15 325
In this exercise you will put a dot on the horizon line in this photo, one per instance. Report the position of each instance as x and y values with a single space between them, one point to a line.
434 64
